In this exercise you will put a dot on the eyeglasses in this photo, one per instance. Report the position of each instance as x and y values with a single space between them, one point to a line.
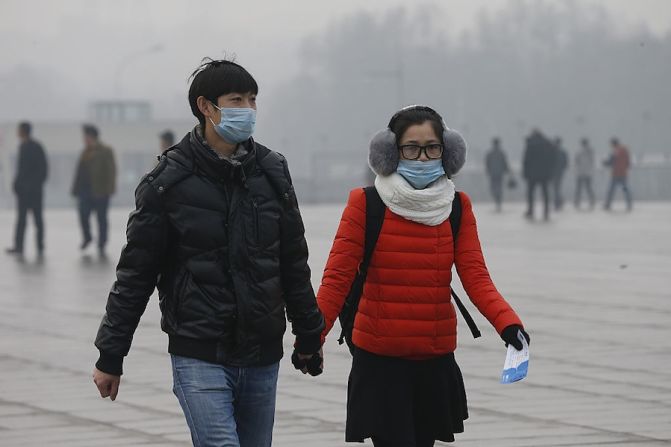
414 151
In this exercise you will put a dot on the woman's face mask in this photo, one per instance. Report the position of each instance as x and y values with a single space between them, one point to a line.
420 174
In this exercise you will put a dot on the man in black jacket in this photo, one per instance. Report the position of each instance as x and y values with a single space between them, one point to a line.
538 170
218 230
496 165
31 173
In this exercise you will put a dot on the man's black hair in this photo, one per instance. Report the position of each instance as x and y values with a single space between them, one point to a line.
214 78
168 137
90 130
26 128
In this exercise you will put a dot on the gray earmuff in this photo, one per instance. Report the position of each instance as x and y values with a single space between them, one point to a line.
383 154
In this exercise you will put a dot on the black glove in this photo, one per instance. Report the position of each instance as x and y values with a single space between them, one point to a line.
313 365
509 335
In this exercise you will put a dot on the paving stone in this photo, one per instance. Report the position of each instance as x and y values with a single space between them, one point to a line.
592 288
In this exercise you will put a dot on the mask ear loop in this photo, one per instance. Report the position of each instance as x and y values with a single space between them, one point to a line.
216 107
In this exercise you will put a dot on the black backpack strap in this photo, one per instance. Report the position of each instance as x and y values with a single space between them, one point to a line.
375 210
455 217
455 223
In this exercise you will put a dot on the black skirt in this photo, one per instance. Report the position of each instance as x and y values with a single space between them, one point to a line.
402 400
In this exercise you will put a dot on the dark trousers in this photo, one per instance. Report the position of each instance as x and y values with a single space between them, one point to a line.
584 183
496 188
531 193
556 192
32 203
99 206
622 182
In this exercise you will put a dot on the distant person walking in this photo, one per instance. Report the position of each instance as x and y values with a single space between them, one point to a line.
31 174
584 165
496 164
560 165
538 169
619 162
94 184
167 140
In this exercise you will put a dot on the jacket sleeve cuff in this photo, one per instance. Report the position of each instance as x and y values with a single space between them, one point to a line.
308 344
110 363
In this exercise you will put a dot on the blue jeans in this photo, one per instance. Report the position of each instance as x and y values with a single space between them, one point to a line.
622 182
226 406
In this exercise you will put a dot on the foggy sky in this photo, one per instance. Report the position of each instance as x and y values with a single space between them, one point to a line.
56 56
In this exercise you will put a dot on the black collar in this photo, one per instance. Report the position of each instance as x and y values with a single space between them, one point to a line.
222 170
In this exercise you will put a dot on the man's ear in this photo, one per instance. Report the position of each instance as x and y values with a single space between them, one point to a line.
205 107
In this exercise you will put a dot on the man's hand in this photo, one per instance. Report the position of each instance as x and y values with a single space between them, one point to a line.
108 384
312 364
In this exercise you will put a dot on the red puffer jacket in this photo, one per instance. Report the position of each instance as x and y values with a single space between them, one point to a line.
405 309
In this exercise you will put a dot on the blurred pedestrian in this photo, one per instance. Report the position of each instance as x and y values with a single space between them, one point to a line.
94 184
405 387
496 164
31 174
561 164
167 140
619 163
584 165
538 170
217 228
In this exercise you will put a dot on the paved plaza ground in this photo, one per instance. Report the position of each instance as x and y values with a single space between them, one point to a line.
593 289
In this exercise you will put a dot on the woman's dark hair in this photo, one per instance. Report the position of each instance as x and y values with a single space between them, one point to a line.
214 78
410 116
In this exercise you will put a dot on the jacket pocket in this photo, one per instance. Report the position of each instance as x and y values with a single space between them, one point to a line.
263 226
255 219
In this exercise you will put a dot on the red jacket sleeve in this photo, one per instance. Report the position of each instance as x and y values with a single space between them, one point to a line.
475 276
344 259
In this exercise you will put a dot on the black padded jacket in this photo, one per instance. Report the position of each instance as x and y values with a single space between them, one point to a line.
223 240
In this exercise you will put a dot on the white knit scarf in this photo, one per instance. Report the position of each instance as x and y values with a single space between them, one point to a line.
430 206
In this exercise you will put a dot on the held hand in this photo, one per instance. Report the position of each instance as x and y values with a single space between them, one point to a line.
312 364
509 335
108 384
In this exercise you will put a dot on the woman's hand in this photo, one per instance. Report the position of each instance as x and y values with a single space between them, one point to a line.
509 335
312 364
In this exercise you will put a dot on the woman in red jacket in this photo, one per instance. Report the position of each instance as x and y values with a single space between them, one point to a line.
405 388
